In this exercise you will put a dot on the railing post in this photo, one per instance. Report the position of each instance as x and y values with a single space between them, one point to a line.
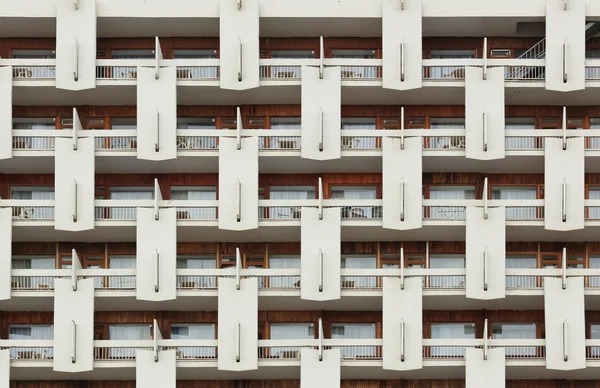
401 199
566 2
402 61
564 200
321 57
237 341
320 339
76 4
320 270
485 198
74 267
155 336
320 198
485 339
402 341
76 61
564 127
402 128
485 52
157 55
156 271
239 5
240 61
73 342
485 269
564 268
157 133
402 268
238 265
565 345
239 127
321 129
75 125
157 195
485 130
74 200
565 61
238 198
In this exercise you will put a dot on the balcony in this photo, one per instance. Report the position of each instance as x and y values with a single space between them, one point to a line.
280 150
279 289
361 358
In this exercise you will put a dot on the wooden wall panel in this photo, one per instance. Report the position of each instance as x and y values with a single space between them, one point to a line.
441 247
521 247
37 248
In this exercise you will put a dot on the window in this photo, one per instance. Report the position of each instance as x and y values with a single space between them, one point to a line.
35 123
33 282
128 193
444 142
39 193
133 54
516 331
293 54
196 142
353 53
354 262
196 123
594 142
500 53
287 71
34 54
127 332
447 261
285 142
520 261
290 331
357 193
196 72
521 142
284 262
355 331
31 332
449 72
123 123
451 331
359 142
124 282
196 281
450 192
121 142
452 54
195 193
289 193
194 54
517 193
594 281
194 332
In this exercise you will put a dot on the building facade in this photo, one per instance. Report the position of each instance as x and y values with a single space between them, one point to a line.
278 194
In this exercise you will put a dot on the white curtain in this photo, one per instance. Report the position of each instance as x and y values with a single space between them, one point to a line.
517 193
594 211
441 72
451 331
31 332
359 142
284 262
194 332
122 282
195 213
285 142
355 331
521 281
594 263
127 332
30 282
196 72
128 213
355 193
36 143
34 212
594 142
446 142
290 331
516 331
359 281
289 193
197 281
450 212
520 143
449 281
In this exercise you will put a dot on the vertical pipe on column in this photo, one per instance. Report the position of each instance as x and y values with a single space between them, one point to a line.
401 199
240 61
402 61
485 269
238 199
402 268
320 270
564 200
74 200
321 129
76 60
156 271
237 342
402 340
73 342
565 344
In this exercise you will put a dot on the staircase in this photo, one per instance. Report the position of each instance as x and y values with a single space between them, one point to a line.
538 51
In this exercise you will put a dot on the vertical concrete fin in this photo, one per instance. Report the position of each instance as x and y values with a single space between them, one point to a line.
151 373
156 254
484 113
73 325
490 372
486 253
320 373
564 315
74 184
5 368
6 124
239 44
6 255
402 183
238 324
238 184
320 254
402 40
564 183
76 44
321 113
402 324
565 45
157 113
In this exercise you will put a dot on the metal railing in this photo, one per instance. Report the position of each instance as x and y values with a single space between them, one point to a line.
455 348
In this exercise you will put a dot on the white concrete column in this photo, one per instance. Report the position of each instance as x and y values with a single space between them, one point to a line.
564 183
402 40
565 45
156 367
490 372
320 373
5 253
76 44
5 368
6 125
